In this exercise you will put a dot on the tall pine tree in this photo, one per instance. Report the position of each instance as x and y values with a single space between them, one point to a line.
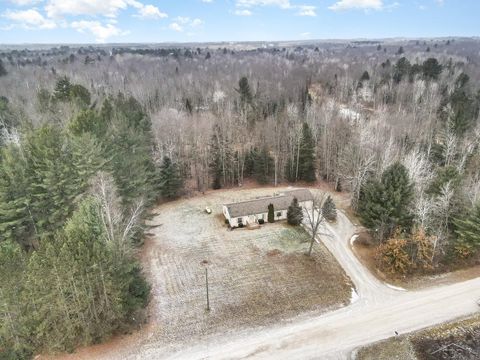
306 158
385 205
468 233
170 179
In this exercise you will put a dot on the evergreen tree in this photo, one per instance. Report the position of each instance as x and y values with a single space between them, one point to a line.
464 108
216 163
294 213
16 222
53 180
129 145
468 233
385 205
329 209
402 68
431 69
80 96
62 89
306 166
262 166
244 91
3 72
365 76
290 171
271 214
170 179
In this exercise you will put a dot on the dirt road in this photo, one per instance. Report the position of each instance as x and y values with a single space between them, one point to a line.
334 335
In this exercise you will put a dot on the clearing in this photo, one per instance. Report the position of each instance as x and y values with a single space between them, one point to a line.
256 277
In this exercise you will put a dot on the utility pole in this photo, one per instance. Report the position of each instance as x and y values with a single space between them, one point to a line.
205 264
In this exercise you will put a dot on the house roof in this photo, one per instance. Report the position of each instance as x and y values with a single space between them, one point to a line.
260 205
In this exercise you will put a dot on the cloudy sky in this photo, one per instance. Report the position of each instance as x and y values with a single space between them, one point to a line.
88 21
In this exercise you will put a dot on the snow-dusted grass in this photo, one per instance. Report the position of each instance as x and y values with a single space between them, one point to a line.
256 277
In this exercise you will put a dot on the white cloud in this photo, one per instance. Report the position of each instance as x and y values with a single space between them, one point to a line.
284 4
25 2
196 22
207 1
108 8
243 12
99 31
243 7
29 19
151 12
306 35
357 4
182 19
176 27
307 10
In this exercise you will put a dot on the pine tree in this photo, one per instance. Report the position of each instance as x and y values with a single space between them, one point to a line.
401 69
62 89
271 214
3 72
53 187
244 91
129 145
431 69
80 96
385 205
306 166
216 164
365 76
170 179
294 213
262 166
16 222
468 233
329 210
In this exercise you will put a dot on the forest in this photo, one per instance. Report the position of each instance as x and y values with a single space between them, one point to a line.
92 137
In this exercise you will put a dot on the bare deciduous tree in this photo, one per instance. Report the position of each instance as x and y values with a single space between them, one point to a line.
314 218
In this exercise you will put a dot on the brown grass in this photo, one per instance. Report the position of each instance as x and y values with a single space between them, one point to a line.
364 247
256 277
458 340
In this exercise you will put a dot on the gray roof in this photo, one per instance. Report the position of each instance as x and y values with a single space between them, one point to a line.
260 205
300 194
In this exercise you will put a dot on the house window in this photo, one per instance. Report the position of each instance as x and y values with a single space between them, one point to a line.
239 220
279 213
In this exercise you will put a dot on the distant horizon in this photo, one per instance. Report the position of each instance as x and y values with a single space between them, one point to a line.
319 40
214 21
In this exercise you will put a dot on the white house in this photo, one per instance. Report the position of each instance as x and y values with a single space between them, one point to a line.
251 211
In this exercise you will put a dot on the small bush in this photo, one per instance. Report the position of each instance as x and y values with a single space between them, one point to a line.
240 225
261 221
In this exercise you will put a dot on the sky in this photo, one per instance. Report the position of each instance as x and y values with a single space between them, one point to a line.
157 21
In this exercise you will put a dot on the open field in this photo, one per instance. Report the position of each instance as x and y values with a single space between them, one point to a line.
256 277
